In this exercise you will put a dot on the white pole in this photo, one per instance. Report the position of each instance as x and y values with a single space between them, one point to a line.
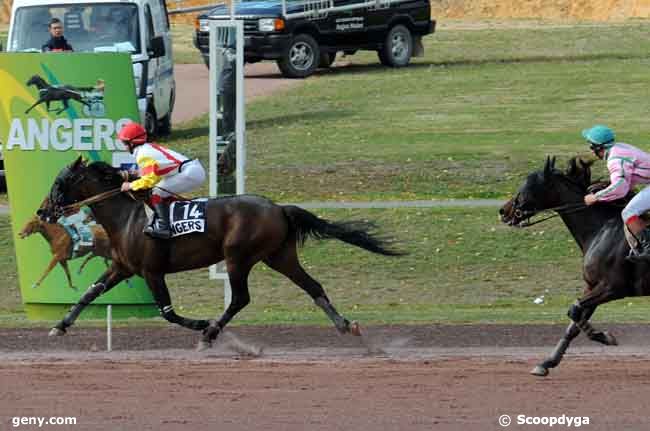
109 329
212 146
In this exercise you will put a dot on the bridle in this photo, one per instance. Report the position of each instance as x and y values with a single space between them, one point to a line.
569 208
58 211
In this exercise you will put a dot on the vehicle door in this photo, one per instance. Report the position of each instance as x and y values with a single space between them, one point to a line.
165 65
349 26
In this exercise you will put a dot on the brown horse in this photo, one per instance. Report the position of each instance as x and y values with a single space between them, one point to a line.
61 245
240 230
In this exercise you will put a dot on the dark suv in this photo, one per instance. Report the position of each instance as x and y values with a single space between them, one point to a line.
303 35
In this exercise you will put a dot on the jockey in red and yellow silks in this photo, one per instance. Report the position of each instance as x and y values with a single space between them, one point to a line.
162 170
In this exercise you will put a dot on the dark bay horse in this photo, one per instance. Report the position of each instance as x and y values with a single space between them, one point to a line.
48 93
598 231
241 230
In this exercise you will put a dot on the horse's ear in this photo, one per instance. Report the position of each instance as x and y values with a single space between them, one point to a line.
586 167
80 162
549 165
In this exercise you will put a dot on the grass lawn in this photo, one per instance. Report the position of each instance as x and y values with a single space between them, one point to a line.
484 107
463 266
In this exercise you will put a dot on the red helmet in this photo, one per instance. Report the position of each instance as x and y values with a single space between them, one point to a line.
132 134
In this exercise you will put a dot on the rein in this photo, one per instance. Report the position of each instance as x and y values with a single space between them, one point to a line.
91 200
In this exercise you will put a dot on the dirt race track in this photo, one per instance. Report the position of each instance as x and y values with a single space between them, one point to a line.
394 378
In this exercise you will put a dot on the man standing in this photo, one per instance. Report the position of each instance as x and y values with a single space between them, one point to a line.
57 42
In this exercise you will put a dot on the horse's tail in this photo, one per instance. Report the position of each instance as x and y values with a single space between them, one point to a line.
354 232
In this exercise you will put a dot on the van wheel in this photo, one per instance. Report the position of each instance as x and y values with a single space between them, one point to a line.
398 47
165 125
326 59
301 57
150 122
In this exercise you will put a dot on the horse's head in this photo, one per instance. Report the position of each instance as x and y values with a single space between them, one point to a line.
77 182
546 189
37 81
32 226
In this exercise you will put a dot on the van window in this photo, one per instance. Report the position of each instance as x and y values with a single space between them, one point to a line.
87 27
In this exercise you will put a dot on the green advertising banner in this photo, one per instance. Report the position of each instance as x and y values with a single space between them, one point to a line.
53 108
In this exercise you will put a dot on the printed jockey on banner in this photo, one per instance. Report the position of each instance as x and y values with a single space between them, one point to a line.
628 167
161 170
78 227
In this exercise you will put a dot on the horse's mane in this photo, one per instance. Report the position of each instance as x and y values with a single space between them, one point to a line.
105 172
579 171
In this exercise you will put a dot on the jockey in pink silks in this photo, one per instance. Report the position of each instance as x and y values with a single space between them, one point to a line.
628 167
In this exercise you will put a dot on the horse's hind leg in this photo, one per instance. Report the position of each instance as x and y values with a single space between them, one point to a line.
86 260
285 261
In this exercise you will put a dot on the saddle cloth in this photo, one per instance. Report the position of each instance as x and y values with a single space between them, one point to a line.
187 217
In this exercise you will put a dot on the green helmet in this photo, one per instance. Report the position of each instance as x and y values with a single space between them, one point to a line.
599 136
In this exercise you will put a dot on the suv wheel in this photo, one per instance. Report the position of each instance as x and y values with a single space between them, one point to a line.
301 57
398 47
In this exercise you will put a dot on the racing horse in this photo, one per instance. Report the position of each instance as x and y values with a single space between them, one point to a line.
61 246
240 230
598 231
49 93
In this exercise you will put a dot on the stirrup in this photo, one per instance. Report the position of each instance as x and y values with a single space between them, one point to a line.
638 255
154 231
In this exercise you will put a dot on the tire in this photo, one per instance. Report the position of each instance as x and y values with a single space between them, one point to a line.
151 122
301 57
326 59
398 47
165 124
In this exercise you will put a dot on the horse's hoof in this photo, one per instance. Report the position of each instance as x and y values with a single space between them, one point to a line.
355 329
56 332
203 345
539 371
610 339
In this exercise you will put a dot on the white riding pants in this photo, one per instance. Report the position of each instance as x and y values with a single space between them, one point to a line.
190 177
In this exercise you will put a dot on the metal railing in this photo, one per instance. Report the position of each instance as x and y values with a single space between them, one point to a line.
307 8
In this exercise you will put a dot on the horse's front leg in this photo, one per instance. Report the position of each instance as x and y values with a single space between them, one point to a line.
106 282
581 315
158 287
238 276
38 102
554 360
50 266
64 264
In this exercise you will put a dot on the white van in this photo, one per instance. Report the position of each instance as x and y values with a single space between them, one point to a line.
140 27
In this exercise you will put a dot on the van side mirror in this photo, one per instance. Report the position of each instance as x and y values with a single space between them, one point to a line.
157 47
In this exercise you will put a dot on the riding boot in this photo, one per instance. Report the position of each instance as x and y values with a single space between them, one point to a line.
160 226
642 253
